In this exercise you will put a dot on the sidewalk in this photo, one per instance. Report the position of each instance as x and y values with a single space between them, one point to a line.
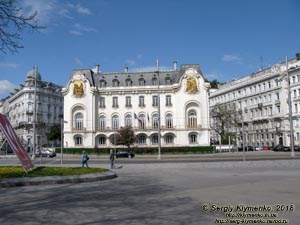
213 156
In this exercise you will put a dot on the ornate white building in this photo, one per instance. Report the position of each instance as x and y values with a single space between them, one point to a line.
98 103
20 106
262 101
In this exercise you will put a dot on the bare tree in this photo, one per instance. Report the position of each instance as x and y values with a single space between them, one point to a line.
12 25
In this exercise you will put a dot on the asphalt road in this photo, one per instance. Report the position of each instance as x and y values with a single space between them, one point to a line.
166 193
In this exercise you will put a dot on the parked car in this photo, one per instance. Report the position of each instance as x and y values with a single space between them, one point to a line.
281 148
296 148
247 148
124 154
258 148
45 153
264 148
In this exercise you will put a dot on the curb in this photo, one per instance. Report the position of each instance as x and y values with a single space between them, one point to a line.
27 181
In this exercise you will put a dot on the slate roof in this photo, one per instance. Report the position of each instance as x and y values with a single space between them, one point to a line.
166 77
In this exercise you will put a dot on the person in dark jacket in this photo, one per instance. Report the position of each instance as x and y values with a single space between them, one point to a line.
112 159
85 159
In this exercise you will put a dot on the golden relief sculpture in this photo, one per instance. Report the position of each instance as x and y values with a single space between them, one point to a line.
191 84
78 88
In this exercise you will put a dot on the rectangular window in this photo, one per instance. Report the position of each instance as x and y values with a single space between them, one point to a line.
168 100
154 100
141 101
115 102
128 101
102 102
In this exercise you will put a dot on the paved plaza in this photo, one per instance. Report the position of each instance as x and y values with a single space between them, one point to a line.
167 193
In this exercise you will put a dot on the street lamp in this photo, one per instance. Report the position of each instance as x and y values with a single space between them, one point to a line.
290 118
61 139
158 109
290 110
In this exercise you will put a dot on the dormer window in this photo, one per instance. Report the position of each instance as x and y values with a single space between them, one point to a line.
142 82
102 83
128 82
115 83
154 81
168 80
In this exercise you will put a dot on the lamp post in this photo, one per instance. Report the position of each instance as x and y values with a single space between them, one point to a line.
290 110
61 139
159 129
34 113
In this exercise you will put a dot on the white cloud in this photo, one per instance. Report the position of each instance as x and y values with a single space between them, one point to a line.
9 65
6 87
45 9
231 58
78 29
52 10
82 10
79 9
75 32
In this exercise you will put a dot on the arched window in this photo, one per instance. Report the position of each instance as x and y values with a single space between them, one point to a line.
78 122
169 139
128 121
154 139
142 139
102 83
142 82
142 121
115 83
102 122
102 140
115 122
155 121
154 81
168 81
128 82
193 138
192 119
169 120
78 140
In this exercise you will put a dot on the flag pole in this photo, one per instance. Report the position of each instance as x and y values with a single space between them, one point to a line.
158 96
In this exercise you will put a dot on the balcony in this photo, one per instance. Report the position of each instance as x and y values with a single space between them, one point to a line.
277 102
79 130
29 111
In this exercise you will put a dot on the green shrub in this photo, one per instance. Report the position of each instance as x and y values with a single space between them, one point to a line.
146 150
17 171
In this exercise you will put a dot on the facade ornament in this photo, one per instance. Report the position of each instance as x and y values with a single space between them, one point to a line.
78 88
191 84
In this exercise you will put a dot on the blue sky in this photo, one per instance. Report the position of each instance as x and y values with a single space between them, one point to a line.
227 38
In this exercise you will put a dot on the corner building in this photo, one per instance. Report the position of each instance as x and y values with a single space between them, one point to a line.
97 104
261 99
35 101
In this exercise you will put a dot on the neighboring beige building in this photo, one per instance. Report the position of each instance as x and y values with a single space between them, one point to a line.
99 103
262 99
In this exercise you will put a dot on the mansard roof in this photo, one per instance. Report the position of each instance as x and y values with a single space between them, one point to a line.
166 77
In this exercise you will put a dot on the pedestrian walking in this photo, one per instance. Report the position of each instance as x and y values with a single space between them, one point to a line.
112 159
85 159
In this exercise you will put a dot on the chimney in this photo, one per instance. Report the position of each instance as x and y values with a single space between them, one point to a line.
126 69
97 68
175 65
